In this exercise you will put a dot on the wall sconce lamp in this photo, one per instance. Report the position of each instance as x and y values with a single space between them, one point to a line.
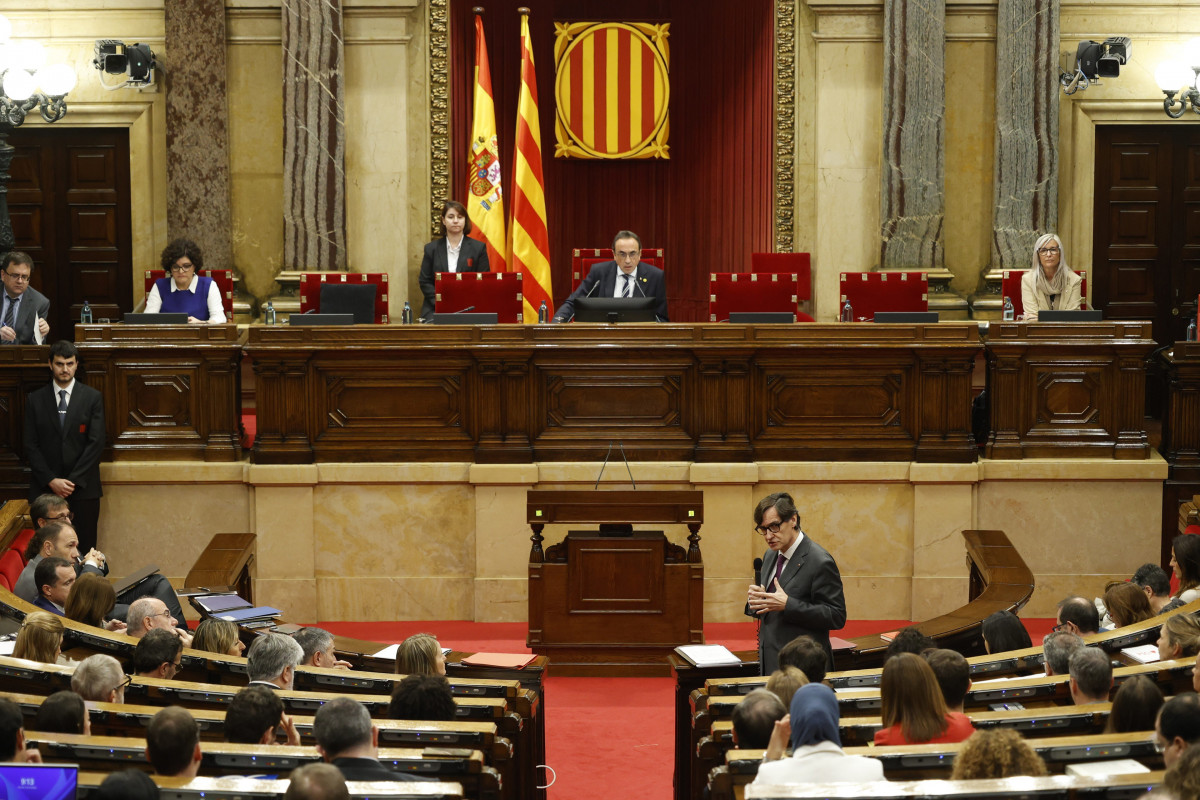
1180 77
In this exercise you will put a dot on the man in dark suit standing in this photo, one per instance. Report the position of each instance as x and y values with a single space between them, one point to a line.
23 309
626 276
454 252
800 588
64 439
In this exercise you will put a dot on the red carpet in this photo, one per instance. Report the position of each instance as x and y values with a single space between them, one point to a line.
593 724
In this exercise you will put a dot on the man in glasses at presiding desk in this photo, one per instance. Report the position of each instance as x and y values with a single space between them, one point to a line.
23 309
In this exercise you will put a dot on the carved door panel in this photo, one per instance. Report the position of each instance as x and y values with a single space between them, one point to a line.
70 209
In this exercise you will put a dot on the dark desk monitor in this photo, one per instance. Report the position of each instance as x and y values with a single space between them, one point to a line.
467 318
155 319
616 309
321 319
1078 315
909 317
349 298
43 781
760 317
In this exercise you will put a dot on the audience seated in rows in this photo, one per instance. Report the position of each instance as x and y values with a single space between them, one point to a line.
1003 631
914 710
100 679
148 613
1078 615
996 753
908 640
784 682
317 645
52 539
63 712
953 675
128 784
218 636
423 697
754 719
173 743
271 661
1177 727
12 736
92 601
255 716
347 739
807 655
1179 637
40 638
158 654
420 654
817 753
1155 584
1058 647
1185 562
53 578
1127 604
1135 706
1091 676
316 782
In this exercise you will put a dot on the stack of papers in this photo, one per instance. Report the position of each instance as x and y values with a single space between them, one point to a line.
1143 653
708 655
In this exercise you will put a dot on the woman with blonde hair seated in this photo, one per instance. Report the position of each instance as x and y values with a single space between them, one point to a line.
996 753
784 682
91 599
1179 637
914 709
1051 284
420 654
1127 604
40 638
218 636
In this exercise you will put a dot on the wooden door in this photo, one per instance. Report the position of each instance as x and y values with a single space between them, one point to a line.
1146 231
69 202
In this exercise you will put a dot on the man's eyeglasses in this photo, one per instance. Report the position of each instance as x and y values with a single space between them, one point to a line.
69 517
1159 744
773 527
128 680
17 276
1045 251
622 255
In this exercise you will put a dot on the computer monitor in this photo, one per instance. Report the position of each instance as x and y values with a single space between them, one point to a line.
43 781
349 298
321 319
155 319
909 317
467 318
761 317
616 309
1077 315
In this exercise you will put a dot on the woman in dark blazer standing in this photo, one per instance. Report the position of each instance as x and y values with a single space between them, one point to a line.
454 252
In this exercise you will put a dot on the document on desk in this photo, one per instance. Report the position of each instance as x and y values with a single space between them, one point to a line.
708 655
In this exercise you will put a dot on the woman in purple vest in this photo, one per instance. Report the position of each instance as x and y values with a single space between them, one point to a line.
183 291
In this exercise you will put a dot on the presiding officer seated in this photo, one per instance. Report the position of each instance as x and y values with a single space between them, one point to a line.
627 276
183 291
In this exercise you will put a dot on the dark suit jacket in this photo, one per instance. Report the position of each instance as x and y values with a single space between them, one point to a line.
72 451
471 258
368 769
34 305
601 281
46 605
815 604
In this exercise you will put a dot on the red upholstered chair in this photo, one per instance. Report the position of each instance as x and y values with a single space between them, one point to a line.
310 290
21 542
11 566
496 293
799 263
582 261
730 292
222 277
869 292
1010 287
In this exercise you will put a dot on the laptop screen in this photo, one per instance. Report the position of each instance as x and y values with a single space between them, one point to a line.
38 781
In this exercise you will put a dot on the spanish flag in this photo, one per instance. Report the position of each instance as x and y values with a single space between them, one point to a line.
485 200
530 250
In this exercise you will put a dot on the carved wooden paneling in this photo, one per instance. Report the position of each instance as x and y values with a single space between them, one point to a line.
22 369
1063 391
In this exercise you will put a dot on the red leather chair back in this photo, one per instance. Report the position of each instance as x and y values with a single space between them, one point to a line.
752 291
310 290
489 292
799 263
869 292
11 566
583 259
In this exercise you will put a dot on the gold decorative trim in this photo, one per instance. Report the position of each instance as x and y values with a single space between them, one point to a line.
785 124
439 110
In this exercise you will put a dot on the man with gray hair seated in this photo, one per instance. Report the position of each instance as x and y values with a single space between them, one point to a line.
100 678
272 661
317 644
754 718
1057 648
147 613
316 782
347 740
1091 676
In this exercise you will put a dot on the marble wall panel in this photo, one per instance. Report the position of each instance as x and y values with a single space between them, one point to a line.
502 599
398 598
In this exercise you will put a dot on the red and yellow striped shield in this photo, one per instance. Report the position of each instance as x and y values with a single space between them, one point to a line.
611 90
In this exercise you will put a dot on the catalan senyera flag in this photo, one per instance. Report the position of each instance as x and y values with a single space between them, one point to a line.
530 247
485 199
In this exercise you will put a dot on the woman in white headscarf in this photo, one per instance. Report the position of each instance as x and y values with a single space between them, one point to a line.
1051 284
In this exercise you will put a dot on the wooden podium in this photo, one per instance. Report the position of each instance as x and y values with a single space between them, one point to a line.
614 605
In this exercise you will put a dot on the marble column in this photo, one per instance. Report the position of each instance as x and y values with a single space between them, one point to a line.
198 174
314 136
912 190
1026 156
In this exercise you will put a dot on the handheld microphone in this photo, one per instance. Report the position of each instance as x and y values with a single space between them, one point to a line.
757 569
